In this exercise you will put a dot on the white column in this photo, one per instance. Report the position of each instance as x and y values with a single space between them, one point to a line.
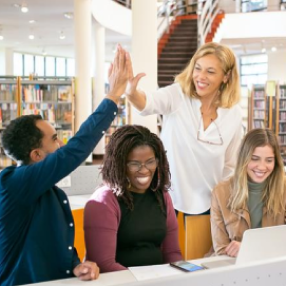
277 66
83 24
237 6
273 5
144 53
6 61
99 75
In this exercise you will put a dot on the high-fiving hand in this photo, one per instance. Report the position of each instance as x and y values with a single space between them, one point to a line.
118 74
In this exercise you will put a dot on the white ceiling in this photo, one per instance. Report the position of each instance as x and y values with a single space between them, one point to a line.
50 21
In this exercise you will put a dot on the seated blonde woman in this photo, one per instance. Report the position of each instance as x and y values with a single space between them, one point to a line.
254 197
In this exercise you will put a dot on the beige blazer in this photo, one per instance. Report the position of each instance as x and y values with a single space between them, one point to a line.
226 225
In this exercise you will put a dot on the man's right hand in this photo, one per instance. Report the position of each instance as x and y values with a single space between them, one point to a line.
118 74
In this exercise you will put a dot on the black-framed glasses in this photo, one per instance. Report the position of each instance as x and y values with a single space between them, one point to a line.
207 141
137 166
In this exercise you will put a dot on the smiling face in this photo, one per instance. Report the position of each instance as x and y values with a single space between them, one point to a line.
141 179
208 76
261 164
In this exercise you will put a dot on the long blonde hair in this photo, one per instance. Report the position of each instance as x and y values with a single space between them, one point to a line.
230 91
273 192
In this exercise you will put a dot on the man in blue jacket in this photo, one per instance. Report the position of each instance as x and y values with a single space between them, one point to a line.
36 223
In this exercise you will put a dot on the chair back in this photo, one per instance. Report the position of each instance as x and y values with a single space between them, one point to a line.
198 236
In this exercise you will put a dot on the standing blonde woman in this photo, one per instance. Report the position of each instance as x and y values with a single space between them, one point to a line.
254 197
202 124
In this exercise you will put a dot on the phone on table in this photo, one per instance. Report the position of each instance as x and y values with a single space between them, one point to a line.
186 266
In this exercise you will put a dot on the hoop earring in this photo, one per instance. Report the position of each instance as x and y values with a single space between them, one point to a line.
129 183
158 182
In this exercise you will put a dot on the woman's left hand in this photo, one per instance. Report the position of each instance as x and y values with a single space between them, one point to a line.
233 248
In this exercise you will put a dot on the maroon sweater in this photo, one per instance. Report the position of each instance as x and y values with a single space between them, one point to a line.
102 217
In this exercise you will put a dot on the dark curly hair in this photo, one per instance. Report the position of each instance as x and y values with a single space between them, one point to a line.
114 169
22 136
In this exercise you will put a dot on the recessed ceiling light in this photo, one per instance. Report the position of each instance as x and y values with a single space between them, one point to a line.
1 38
263 50
62 35
16 5
68 15
31 37
32 21
24 8
273 49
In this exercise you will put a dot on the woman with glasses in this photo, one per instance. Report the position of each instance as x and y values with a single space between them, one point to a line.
202 124
130 221
254 197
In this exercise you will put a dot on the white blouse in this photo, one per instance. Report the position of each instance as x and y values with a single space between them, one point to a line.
196 167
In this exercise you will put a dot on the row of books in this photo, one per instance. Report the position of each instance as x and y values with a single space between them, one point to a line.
5 161
64 135
283 92
7 92
282 116
259 94
282 139
41 93
259 104
258 124
259 114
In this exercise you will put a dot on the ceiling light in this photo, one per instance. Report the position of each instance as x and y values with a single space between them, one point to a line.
273 49
24 8
31 37
32 21
17 5
1 36
62 36
263 50
68 15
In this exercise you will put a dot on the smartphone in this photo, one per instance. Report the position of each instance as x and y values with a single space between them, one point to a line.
186 266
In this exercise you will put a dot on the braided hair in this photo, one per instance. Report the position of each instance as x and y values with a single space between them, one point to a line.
114 169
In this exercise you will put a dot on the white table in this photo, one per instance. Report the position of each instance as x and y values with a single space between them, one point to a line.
263 273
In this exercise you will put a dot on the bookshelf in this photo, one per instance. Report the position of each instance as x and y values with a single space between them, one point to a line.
268 110
52 98
257 110
280 122
122 118
9 110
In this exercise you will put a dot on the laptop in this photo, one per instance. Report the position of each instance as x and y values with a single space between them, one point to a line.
257 244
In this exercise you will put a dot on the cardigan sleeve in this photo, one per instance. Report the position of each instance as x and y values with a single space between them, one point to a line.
101 222
170 246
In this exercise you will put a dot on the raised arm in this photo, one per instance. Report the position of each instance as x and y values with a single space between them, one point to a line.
29 182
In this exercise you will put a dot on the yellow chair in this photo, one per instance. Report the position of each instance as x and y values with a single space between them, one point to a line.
79 242
198 240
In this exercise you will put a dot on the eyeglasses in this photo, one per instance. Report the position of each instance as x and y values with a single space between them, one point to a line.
206 141
136 166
